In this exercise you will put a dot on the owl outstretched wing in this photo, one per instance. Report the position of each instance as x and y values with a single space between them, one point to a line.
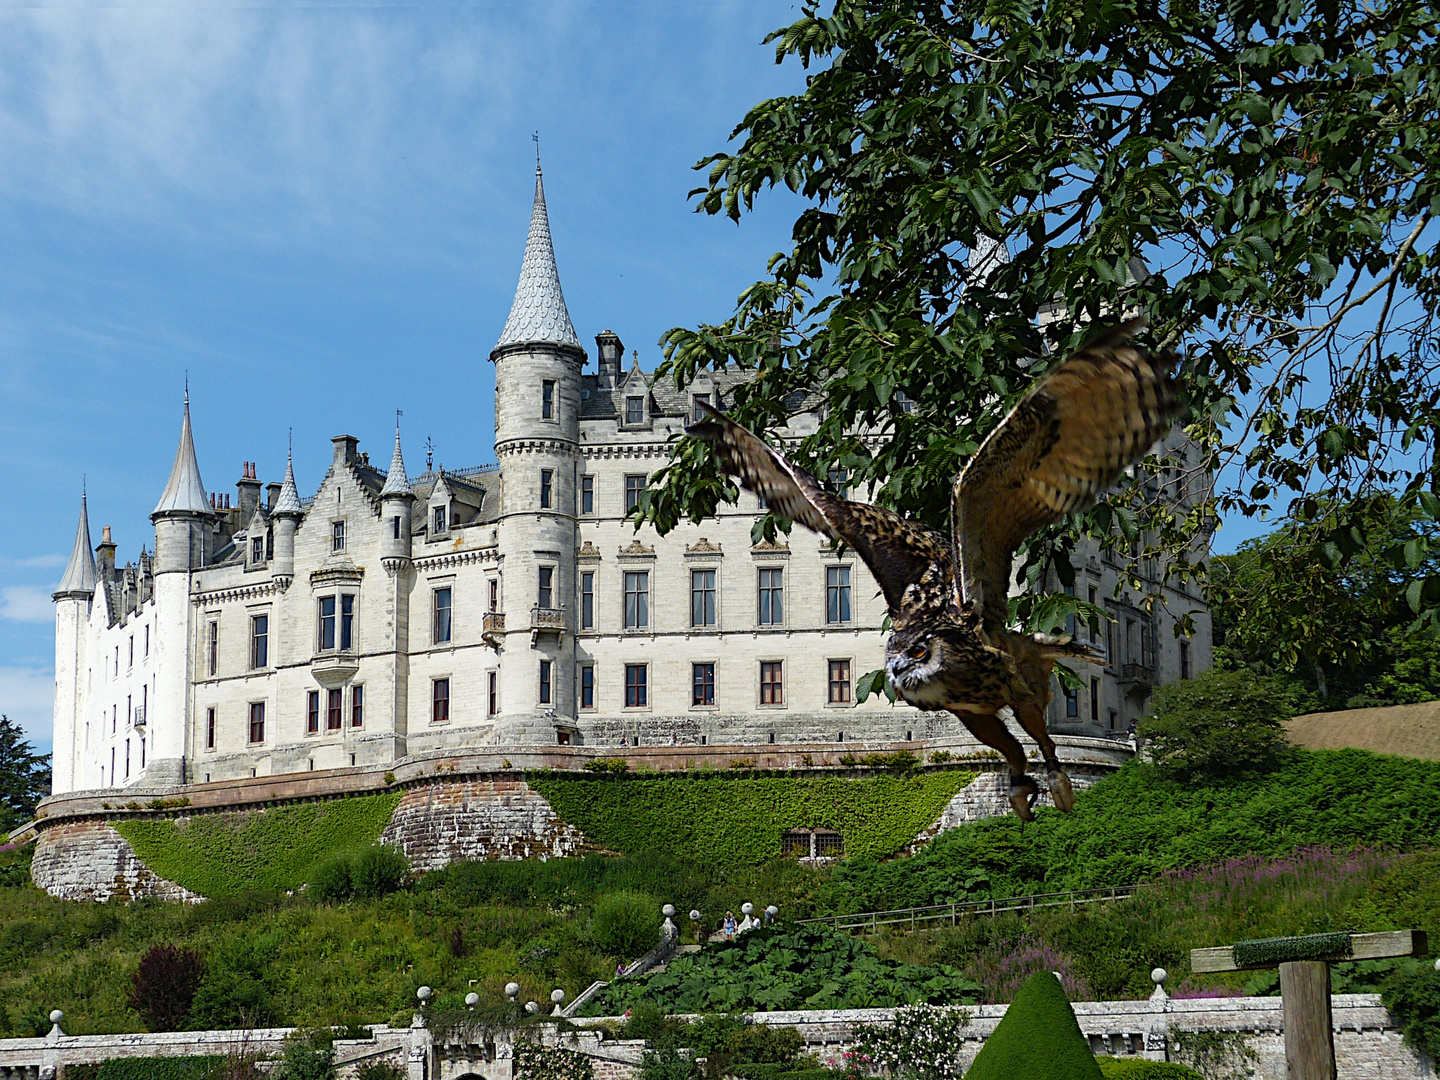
911 563
1059 449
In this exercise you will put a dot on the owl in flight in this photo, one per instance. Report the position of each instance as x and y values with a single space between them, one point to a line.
1059 449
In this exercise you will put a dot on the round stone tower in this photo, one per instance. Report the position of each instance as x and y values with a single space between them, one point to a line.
538 362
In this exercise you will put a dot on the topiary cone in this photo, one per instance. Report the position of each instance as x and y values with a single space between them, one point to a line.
1037 1039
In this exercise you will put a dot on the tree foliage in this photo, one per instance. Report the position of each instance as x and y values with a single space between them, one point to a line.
984 178
24 776
1344 633
164 985
1223 724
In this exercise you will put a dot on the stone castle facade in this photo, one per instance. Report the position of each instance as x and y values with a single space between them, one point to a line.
510 605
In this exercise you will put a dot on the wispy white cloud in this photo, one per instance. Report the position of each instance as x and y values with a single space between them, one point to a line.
42 561
27 696
26 603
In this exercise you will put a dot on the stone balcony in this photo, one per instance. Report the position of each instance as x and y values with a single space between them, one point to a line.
1138 676
546 621
334 669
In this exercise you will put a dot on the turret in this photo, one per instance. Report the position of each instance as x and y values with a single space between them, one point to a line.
286 515
72 612
538 363
396 499
183 518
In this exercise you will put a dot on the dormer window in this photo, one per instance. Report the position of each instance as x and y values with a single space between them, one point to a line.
635 410
257 549
440 519
547 399
697 401
337 536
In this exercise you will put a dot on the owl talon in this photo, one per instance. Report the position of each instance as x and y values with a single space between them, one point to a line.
1061 793
1023 793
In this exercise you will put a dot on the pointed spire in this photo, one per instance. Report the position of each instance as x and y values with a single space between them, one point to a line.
80 573
539 313
184 493
396 482
288 501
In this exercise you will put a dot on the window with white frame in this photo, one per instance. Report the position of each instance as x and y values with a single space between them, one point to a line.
772 596
337 536
837 594
547 399
637 690
440 623
637 599
259 641
634 485
702 597
587 599
546 591
547 487
772 682
635 409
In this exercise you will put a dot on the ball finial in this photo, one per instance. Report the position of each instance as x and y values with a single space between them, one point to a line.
1159 975
424 994
512 990
56 1016
694 914
557 996
668 910
472 999
532 1007
747 908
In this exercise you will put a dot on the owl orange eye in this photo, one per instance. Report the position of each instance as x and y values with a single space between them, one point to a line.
918 652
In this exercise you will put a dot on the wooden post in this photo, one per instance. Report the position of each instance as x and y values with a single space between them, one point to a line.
1309 1038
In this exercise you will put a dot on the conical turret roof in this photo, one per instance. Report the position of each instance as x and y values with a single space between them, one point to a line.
538 314
396 482
288 501
80 574
184 492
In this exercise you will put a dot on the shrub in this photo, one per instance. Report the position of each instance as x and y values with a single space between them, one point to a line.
163 987
626 924
607 765
1038 1038
308 1056
1218 725
1413 996
236 992
922 1043
536 1062
151 1068
365 874
380 1070
1140 1069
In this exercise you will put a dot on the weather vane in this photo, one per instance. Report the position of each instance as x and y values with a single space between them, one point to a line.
536 136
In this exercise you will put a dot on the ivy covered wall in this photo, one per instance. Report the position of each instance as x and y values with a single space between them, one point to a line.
735 820
272 848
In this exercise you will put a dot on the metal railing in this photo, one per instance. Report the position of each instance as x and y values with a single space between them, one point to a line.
951 913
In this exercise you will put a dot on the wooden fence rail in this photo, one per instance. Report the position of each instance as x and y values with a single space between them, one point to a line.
951 913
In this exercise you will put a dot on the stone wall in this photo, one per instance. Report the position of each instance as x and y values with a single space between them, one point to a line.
89 860
437 824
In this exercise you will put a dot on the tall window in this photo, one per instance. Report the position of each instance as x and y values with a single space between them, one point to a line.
772 596
587 495
637 599
259 641
492 693
634 485
702 681
636 691
696 413
337 536
347 621
312 711
1095 701
839 682
327 623
772 683
440 617
547 587
212 648
439 701
1184 659
547 486
210 729
1090 631
547 399
257 721
440 518
544 682
837 594
702 597
494 594
1072 702
395 528
334 709
257 549
357 706
634 410
1070 619
587 600
587 686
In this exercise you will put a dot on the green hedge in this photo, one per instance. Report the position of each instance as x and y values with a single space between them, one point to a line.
146 1068
226 854
722 819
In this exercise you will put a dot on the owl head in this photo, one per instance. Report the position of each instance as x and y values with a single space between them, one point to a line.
917 657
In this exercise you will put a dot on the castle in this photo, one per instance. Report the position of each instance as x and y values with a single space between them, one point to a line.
508 605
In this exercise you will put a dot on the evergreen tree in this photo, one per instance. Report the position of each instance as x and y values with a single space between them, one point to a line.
24 776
